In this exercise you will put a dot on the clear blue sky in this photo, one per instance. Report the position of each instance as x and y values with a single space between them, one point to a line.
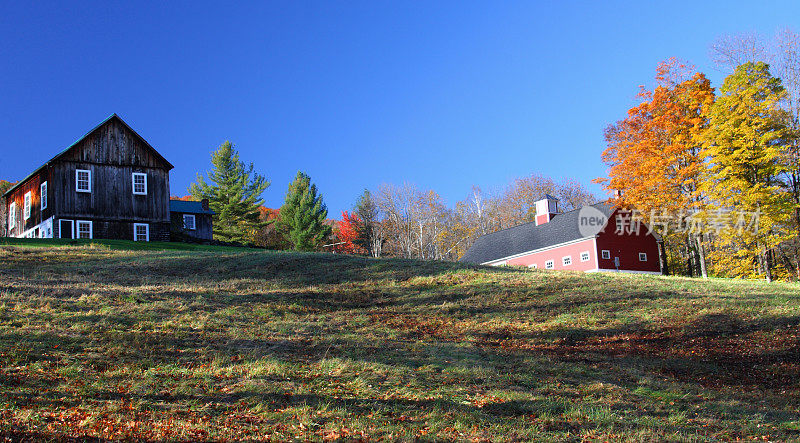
441 94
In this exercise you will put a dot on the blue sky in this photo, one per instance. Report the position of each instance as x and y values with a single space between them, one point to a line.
441 94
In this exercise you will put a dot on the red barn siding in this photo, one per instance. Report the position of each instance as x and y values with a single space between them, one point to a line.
557 254
627 247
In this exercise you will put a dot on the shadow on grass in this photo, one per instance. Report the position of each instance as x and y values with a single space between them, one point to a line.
430 363
432 322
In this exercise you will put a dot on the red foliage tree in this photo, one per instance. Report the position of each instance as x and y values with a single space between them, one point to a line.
347 234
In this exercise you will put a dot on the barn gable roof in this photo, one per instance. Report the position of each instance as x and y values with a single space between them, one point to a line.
562 228
67 149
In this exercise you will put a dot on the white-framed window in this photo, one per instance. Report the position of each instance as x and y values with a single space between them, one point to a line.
43 195
189 222
533 266
83 180
642 256
26 208
549 264
567 260
139 183
606 254
84 229
141 232
12 215
585 256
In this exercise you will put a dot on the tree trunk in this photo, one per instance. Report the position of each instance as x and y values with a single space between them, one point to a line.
797 226
790 267
765 265
701 256
662 254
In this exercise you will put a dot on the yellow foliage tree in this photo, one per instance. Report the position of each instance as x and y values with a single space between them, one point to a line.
746 145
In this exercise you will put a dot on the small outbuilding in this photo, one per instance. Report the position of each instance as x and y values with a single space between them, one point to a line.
192 218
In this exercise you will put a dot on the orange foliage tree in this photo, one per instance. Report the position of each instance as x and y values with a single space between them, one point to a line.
654 155
348 234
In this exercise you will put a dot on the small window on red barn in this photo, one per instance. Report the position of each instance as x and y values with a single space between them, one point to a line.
606 254
642 256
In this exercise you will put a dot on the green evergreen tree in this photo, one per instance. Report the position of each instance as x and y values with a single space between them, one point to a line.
302 217
234 193
368 228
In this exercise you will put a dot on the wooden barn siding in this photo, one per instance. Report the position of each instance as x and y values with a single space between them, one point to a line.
112 194
116 230
112 153
114 144
31 185
204 226
202 223
124 230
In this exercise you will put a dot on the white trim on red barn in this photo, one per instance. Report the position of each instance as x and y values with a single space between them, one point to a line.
534 251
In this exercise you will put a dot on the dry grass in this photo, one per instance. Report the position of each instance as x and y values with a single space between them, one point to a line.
229 344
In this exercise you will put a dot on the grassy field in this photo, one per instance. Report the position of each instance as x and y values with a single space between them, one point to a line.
110 341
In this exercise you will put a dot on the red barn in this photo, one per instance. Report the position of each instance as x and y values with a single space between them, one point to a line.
597 237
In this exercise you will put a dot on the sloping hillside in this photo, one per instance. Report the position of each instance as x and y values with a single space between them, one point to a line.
232 344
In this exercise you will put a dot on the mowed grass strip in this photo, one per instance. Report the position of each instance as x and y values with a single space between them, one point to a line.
116 341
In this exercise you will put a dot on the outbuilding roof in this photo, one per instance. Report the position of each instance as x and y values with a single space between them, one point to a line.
561 228
188 207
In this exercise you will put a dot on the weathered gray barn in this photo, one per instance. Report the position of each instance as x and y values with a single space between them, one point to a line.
110 184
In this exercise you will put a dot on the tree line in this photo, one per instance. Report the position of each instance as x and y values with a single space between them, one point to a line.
390 221
716 172
409 222
234 189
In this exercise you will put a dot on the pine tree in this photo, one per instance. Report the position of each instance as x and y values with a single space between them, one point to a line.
234 194
370 237
746 144
303 215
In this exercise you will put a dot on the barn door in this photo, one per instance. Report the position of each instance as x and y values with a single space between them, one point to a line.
65 228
